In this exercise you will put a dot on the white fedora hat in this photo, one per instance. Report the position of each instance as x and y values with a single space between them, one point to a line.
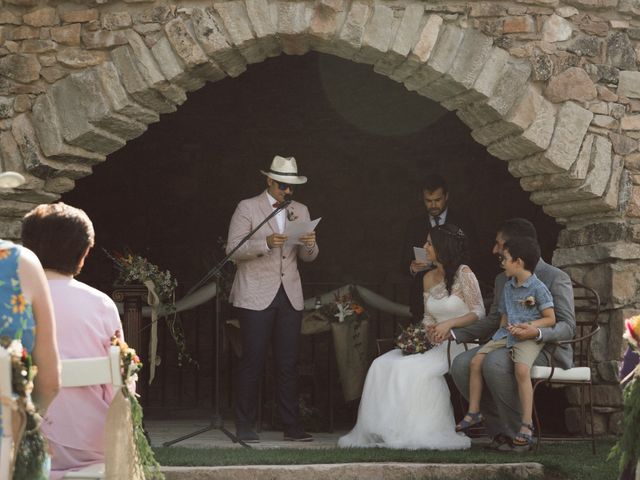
284 170
11 180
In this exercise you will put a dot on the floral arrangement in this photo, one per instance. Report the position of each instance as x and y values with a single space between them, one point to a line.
136 269
291 215
627 449
413 339
345 308
130 365
32 448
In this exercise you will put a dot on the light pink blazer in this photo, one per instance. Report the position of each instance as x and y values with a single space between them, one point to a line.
260 270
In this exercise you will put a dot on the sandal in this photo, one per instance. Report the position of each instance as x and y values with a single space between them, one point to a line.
524 439
464 424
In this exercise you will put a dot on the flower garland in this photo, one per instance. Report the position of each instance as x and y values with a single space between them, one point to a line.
130 365
136 269
31 447
414 339
627 449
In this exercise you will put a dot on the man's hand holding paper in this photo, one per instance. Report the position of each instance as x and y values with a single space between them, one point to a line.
301 233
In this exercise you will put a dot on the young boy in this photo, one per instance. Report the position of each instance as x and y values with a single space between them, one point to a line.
525 299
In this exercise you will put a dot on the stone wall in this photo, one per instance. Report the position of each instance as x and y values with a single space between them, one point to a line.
551 88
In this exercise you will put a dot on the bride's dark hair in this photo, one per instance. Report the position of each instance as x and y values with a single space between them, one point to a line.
451 248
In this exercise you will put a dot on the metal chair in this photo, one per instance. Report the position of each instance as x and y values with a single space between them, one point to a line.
83 372
587 308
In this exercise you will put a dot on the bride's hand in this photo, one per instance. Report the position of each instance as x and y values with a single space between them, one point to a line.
441 332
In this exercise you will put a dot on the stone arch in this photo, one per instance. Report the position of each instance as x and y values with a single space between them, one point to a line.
547 87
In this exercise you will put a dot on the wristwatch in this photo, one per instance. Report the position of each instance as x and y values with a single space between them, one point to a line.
539 336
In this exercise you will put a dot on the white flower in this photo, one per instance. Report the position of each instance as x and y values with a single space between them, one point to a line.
343 312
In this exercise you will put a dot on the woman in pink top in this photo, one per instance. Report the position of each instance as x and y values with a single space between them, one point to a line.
62 236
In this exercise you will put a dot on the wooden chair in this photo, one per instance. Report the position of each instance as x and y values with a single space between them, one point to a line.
587 308
83 372
6 395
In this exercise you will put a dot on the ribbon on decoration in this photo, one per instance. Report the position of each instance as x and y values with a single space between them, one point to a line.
154 302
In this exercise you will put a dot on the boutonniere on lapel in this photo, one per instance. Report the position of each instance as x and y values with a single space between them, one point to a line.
530 301
291 215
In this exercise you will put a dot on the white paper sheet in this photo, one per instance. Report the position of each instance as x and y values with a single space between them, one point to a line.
420 254
297 228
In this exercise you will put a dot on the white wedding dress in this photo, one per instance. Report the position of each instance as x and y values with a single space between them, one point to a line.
405 401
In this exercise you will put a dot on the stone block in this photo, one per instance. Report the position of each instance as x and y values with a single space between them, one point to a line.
34 160
378 35
53 74
11 228
630 122
620 52
190 52
594 184
405 38
605 231
571 84
79 16
122 103
208 29
59 185
571 126
42 17
349 39
292 27
101 39
23 68
6 107
440 59
67 35
622 144
91 125
157 14
24 32
421 51
532 121
605 121
75 57
46 122
173 68
238 26
608 371
556 29
574 421
603 395
608 202
22 103
629 84
572 178
135 83
471 57
519 24
38 46
325 23
9 18
116 20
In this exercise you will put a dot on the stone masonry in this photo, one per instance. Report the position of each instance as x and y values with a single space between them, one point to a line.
550 87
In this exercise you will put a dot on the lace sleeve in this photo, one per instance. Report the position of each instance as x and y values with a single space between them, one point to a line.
427 319
466 287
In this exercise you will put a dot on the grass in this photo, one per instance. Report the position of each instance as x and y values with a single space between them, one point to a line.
570 460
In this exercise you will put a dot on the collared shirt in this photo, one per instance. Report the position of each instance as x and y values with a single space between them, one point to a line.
442 217
280 217
522 303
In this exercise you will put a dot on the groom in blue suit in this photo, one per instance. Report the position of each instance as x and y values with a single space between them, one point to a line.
500 403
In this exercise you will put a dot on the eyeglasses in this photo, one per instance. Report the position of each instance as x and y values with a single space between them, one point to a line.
283 186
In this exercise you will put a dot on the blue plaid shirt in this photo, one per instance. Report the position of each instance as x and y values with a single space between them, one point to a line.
513 304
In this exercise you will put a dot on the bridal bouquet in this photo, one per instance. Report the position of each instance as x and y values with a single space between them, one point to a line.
627 449
413 339
31 447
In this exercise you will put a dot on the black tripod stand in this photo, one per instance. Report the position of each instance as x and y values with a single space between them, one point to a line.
216 422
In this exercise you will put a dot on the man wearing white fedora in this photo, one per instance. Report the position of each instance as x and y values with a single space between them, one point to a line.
267 293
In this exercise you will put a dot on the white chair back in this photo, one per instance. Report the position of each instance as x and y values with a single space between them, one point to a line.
6 441
82 372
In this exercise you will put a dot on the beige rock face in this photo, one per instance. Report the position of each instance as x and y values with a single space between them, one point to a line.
572 84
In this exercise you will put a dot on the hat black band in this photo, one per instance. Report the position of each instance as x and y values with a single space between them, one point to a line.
284 174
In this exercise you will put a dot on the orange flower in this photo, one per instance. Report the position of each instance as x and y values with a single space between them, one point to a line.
633 330
19 303
357 308
4 253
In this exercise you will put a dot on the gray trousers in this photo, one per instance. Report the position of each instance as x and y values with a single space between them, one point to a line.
500 404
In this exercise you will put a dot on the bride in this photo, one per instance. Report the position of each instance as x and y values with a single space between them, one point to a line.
405 401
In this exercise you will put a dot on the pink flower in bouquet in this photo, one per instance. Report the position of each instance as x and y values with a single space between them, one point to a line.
632 333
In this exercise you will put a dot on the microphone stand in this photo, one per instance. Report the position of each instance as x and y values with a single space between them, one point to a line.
216 422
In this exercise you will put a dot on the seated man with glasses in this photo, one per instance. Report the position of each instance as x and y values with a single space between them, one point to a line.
267 293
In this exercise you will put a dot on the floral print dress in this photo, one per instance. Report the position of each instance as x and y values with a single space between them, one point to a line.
16 314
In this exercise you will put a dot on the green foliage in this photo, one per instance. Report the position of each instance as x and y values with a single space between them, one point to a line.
31 456
628 447
147 458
